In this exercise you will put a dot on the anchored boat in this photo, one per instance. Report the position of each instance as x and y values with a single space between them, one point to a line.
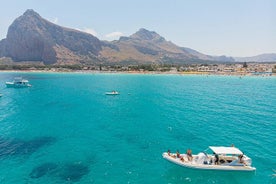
223 158
18 82
112 93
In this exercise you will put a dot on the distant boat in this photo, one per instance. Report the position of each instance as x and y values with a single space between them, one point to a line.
112 93
223 158
18 82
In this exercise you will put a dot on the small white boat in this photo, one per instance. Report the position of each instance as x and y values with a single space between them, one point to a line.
18 82
112 93
223 158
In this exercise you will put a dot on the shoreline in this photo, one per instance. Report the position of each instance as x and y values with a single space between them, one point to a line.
146 73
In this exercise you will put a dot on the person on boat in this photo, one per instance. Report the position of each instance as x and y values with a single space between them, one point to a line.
189 155
241 159
216 159
179 156
169 152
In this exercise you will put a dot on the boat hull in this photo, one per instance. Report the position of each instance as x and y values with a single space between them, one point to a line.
14 85
193 165
111 93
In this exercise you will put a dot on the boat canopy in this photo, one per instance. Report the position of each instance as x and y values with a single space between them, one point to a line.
226 150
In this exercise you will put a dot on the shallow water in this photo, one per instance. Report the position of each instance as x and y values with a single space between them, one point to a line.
64 129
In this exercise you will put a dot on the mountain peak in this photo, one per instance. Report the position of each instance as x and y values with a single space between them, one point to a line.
29 17
145 34
31 12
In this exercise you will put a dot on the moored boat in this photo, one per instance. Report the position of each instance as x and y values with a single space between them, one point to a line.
223 158
18 82
112 93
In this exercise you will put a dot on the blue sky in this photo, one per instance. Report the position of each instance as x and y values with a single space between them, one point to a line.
215 27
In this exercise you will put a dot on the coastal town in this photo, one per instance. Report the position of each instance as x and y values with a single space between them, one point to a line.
262 69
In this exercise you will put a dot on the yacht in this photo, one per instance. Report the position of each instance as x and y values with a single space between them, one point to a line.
221 158
18 82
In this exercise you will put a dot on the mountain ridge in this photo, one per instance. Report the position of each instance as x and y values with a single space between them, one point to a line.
266 57
33 38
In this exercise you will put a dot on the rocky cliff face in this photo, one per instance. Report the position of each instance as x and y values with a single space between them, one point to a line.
2 48
32 38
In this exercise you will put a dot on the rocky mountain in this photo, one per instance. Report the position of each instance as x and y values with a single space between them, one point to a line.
32 38
148 46
145 46
259 58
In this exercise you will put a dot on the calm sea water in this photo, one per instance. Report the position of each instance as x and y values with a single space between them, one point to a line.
64 129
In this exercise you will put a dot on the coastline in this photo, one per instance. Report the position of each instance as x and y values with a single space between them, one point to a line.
145 72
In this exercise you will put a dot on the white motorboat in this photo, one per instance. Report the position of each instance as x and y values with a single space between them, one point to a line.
18 82
223 158
112 93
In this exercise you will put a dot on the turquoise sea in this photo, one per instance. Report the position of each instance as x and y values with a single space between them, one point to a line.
64 129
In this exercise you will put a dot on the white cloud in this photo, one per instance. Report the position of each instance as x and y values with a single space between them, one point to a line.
90 31
115 34
55 20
